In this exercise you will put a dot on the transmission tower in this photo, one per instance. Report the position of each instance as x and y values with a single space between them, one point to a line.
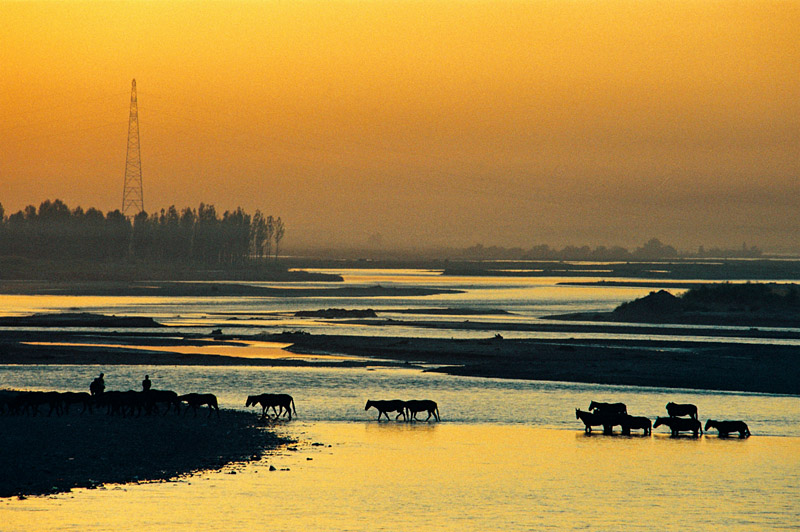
132 197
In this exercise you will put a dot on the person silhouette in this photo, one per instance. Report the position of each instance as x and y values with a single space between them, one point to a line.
98 385
146 383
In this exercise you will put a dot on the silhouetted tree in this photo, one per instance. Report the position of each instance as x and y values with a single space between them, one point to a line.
654 249
270 231
258 235
53 231
280 230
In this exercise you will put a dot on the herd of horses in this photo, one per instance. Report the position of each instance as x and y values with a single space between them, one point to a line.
125 404
680 418
149 402
407 409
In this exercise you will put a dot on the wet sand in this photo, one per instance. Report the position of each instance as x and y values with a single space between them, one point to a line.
43 455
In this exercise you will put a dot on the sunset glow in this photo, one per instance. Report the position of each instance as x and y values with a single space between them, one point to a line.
430 123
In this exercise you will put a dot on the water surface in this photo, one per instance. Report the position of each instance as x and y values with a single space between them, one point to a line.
370 476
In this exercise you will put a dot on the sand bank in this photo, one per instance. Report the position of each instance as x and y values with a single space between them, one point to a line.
202 289
668 364
44 454
662 363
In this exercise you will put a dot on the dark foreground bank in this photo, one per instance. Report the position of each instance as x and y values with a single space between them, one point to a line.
42 455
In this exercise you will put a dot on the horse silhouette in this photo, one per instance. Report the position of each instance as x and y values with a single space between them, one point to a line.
726 427
608 408
29 402
123 403
679 424
598 418
384 407
153 398
76 398
284 402
422 405
196 400
677 410
635 422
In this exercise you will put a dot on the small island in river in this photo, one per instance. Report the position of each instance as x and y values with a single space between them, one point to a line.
731 304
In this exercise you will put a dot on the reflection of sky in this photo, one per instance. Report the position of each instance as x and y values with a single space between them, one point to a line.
525 299
427 477
339 393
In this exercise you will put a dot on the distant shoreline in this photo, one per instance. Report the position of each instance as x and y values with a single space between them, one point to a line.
201 289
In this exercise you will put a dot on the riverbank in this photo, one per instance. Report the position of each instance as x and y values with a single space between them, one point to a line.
764 368
203 289
760 368
43 455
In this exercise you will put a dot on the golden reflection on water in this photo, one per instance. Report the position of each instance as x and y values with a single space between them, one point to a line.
269 350
397 476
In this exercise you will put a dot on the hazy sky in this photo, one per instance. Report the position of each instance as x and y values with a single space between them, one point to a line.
429 122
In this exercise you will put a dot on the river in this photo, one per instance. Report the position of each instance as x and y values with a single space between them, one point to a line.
507 455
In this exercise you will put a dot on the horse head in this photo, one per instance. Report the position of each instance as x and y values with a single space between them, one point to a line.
710 423
369 404
250 400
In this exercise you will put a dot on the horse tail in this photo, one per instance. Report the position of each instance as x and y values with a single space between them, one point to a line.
293 408
438 418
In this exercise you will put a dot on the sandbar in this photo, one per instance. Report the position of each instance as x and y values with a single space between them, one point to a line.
43 455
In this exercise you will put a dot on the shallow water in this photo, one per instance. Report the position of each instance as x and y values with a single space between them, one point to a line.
525 299
370 476
328 394
508 455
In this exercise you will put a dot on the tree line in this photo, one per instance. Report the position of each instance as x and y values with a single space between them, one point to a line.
653 249
198 236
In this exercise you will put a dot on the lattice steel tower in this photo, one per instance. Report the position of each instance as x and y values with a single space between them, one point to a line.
132 196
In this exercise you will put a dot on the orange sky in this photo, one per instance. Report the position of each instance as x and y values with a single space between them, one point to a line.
429 122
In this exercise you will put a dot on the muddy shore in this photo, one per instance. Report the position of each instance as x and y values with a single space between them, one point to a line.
43 455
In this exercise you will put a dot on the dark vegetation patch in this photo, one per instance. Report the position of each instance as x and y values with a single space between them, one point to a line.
742 304
43 455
